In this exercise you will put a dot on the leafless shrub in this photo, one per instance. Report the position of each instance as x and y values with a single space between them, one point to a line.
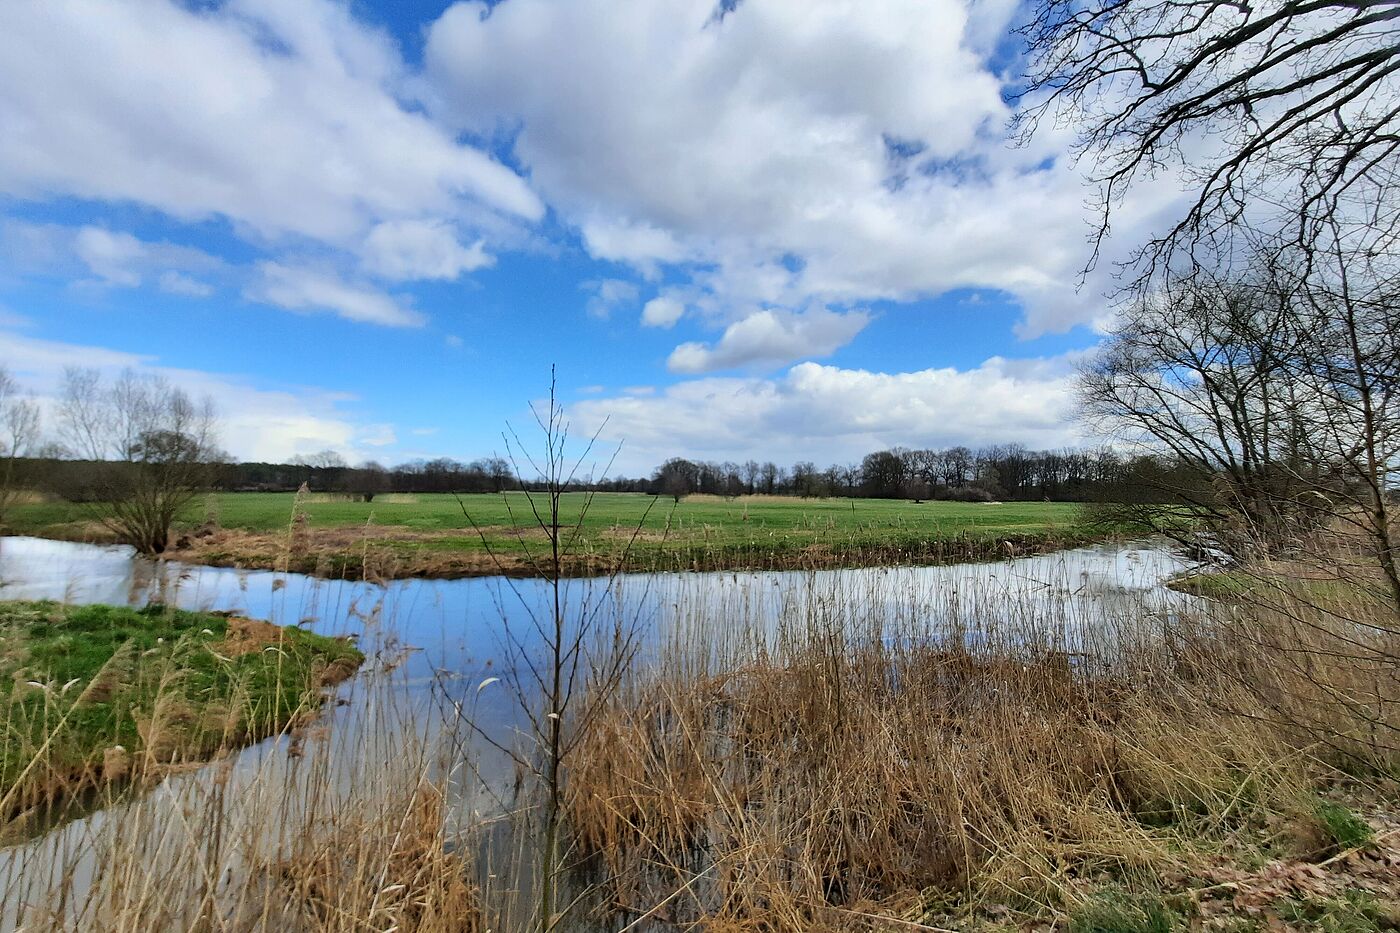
151 450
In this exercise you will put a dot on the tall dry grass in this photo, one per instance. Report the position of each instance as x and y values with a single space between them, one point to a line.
846 767
342 821
843 752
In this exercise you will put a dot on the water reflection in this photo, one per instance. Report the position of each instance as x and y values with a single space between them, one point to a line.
444 638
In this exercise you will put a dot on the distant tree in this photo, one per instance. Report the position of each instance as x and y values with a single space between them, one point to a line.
957 466
677 478
768 477
19 431
883 475
152 451
322 460
834 478
751 473
498 472
806 481
922 467
366 481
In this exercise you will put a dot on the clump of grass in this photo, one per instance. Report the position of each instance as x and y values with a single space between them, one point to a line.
94 696
1343 827
1351 912
345 826
1113 910
410 878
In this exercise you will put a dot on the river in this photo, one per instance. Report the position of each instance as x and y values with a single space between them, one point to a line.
457 645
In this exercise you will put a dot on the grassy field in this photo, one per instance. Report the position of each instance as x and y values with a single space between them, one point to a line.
409 535
97 696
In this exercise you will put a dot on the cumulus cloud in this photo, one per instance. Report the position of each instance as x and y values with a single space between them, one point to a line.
662 311
110 255
771 337
254 422
301 288
785 154
421 249
832 414
280 116
120 259
288 120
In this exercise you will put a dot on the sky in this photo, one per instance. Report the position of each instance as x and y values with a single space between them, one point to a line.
769 229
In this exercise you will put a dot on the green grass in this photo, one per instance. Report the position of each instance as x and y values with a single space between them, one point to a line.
92 695
1270 585
1344 828
702 532
1116 911
1351 912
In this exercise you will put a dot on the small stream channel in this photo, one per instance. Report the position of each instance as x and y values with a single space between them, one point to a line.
444 638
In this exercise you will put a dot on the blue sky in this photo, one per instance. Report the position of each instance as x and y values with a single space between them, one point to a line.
796 230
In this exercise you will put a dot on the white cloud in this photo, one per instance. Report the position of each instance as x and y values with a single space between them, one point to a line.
641 244
254 422
110 256
421 249
831 414
608 295
773 337
790 153
283 117
378 435
116 258
299 288
177 283
662 311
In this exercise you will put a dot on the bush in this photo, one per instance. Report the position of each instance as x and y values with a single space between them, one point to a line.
965 494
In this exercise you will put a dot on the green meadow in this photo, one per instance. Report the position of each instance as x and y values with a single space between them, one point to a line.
471 534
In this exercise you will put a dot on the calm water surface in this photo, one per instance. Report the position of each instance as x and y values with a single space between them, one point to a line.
443 638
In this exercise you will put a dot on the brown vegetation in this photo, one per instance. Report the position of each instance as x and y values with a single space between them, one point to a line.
824 784
392 553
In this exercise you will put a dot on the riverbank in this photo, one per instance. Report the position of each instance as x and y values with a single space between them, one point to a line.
476 536
1175 768
98 698
1049 744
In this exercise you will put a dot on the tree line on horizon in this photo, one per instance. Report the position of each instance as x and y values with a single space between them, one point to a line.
959 473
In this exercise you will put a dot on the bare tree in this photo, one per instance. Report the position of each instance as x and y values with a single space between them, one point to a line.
1289 108
19 429
327 459
1349 314
1277 397
570 659
1200 372
152 450
1282 120
367 480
